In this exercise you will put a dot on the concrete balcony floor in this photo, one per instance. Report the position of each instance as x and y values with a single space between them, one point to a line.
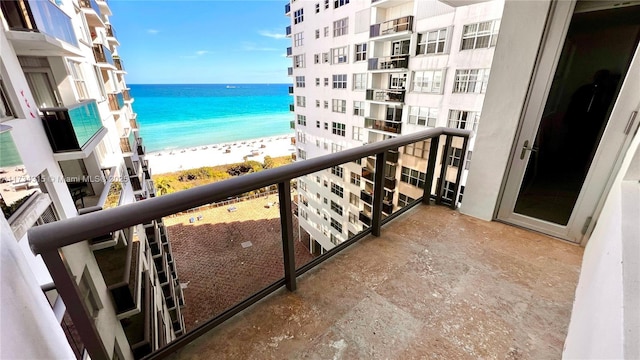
436 284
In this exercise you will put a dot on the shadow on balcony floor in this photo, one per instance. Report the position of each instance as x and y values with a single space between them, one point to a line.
437 284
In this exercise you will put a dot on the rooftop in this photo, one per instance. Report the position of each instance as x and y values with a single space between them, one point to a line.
436 282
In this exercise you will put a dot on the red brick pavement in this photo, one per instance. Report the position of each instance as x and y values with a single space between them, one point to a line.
218 270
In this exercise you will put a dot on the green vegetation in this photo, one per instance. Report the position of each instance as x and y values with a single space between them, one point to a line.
113 197
187 179
9 210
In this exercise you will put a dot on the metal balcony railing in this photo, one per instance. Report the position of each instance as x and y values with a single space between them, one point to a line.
102 54
401 24
48 239
386 95
39 16
383 125
389 62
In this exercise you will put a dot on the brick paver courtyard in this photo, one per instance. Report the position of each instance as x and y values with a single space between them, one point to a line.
212 262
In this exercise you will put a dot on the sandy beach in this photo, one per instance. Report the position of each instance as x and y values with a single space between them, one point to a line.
167 161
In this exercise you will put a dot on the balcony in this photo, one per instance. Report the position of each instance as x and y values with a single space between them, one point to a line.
71 129
117 62
141 148
366 196
367 174
116 101
389 63
39 28
287 9
291 107
386 95
126 94
133 122
111 32
128 143
120 268
91 11
292 124
383 125
390 183
290 71
290 90
289 51
387 207
365 218
392 29
288 31
139 328
103 55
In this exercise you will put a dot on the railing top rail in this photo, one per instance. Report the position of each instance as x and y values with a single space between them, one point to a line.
52 236
70 107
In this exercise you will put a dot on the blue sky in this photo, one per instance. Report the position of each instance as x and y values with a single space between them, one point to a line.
213 41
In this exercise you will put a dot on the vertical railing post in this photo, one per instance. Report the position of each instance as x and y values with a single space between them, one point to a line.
68 290
378 193
443 169
286 225
463 157
431 170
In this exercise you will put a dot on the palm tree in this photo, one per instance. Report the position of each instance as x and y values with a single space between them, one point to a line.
163 186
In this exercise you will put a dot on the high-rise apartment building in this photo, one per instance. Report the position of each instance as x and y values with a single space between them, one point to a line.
365 71
71 146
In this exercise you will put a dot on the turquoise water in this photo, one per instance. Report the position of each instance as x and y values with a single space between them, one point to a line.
182 116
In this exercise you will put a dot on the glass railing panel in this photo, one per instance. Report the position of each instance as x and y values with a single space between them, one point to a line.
51 20
86 122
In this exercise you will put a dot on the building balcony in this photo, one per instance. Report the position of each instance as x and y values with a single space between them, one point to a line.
392 29
122 272
389 63
117 62
289 51
365 218
104 7
366 196
139 327
291 107
126 95
290 90
287 9
383 125
72 128
128 143
390 183
387 207
39 28
103 55
111 32
92 13
292 124
133 121
142 150
116 101
287 31
290 71
392 156
386 95
367 174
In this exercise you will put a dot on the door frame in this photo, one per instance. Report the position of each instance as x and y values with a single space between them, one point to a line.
551 46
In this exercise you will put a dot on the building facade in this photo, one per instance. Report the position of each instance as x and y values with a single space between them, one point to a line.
71 146
366 71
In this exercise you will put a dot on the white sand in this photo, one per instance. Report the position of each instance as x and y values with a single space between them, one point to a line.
167 161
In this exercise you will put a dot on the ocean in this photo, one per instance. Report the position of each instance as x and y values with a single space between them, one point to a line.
182 116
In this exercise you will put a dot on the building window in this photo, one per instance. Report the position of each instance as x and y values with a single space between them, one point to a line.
355 178
316 59
326 31
339 106
429 81
418 149
454 157
338 128
339 55
423 116
302 155
298 16
461 119
341 27
467 162
354 200
413 177
298 61
301 101
336 208
326 81
88 294
6 111
336 225
337 189
353 218
298 39
336 147
300 81
338 3
358 108
449 191
361 52
432 42
404 200
480 35
302 137
318 126
317 10
358 133
78 79
317 32
326 106
318 105
337 171
326 126
340 81
302 120
326 4
471 81
325 57
360 81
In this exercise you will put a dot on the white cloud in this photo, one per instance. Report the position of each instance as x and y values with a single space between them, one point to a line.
272 35
152 31
202 52
249 46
